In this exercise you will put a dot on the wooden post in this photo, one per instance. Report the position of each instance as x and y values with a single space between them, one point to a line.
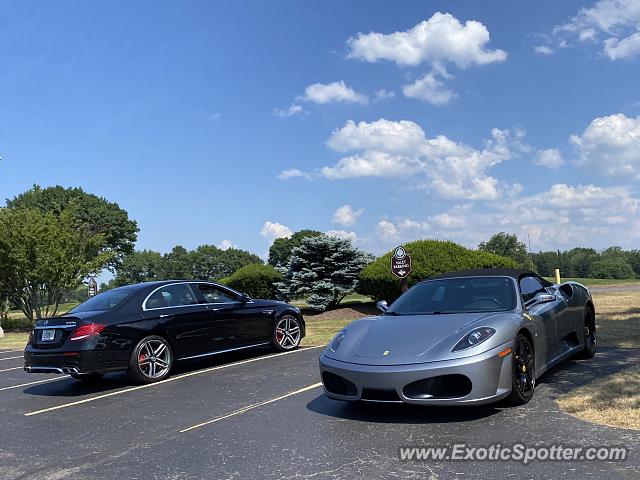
558 276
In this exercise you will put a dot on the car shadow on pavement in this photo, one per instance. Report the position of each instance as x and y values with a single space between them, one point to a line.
70 387
572 374
399 412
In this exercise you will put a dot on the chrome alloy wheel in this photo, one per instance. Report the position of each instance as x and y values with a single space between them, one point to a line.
288 332
154 358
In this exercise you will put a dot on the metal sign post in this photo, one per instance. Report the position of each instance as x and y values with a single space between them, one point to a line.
93 287
401 266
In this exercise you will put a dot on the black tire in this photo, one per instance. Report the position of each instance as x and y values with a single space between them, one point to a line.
523 376
147 356
88 377
590 339
287 333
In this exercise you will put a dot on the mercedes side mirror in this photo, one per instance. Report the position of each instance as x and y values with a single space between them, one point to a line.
244 298
382 306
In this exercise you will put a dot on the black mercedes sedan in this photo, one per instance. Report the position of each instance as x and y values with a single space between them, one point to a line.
144 329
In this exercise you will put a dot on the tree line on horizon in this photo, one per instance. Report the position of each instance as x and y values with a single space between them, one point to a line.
579 262
52 239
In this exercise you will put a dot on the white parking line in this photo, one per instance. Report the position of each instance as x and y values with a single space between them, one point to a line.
14 368
251 407
30 383
11 358
170 379
11 351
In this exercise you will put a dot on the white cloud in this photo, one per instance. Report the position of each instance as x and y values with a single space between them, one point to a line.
550 158
564 216
372 163
293 109
440 39
387 231
342 234
404 230
346 215
383 94
431 89
410 225
447 220
292 173
627 47
385 135
543 49
613 24
273 230
332 92
401 149
611 145
226 245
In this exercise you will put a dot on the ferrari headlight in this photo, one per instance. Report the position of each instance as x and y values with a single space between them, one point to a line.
473 338
336 341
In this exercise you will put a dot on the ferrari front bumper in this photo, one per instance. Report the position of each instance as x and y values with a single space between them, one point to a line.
474 380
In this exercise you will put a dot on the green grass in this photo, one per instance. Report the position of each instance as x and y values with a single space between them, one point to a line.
14 340
596 281
351 298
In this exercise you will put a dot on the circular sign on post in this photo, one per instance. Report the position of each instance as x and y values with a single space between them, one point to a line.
401 263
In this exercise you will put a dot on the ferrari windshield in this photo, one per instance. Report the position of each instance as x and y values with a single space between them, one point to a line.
457 295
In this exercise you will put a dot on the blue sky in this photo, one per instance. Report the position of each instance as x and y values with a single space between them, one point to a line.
237 121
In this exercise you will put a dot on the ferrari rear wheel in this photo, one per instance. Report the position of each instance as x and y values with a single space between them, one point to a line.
523 381
590 340
287 333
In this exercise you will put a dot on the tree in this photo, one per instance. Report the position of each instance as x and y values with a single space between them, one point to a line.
96 214
43 256
612 267
280 250
546 262
324 270
509 246
633 257
140 266
177 264
580 262
212 263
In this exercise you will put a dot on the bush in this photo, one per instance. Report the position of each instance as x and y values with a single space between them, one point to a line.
256 280
612 267
428 258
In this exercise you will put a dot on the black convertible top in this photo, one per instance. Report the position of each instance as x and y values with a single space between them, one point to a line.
492 272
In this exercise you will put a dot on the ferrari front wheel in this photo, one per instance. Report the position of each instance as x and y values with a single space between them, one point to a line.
590 341
523 381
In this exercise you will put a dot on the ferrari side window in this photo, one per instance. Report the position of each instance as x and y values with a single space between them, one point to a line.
529 287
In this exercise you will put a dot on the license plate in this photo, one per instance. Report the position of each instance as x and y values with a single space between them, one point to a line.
48 335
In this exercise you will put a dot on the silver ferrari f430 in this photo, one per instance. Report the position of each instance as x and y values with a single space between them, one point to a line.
462 338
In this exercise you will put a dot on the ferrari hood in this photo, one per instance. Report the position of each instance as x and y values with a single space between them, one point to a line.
403 340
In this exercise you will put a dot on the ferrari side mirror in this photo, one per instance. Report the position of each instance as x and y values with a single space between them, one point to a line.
382 306
541 298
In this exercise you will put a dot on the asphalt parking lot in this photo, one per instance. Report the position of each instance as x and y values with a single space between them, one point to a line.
263 415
